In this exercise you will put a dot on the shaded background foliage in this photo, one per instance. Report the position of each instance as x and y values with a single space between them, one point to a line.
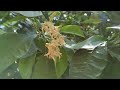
92 49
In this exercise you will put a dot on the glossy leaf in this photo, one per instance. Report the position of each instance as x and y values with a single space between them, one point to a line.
88 65
44 68
89 44
114 27
72 29
40 43
115 52
14 20
12 47
112 71
30 13
61 64
33 49
11 72
26 66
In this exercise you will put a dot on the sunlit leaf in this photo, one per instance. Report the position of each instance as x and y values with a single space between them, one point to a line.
90 43
72 29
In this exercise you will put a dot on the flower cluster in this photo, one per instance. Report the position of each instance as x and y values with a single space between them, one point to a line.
57 40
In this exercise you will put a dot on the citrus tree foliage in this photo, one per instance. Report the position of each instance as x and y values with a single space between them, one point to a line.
59 44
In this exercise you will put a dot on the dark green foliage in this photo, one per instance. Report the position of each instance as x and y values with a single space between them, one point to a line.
92 49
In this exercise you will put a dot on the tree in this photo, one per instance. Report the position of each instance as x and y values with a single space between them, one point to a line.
59 44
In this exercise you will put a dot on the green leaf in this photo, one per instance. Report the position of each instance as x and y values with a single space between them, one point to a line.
14 20
114 52
72 29
70 53
26 65
61 64
1 32
88 65
12 47
30 13
44 68
3 14
92 21
89 44
33 49
40 43
112 71
11 72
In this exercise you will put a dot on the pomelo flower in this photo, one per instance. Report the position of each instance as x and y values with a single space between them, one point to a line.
53 51
57 40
